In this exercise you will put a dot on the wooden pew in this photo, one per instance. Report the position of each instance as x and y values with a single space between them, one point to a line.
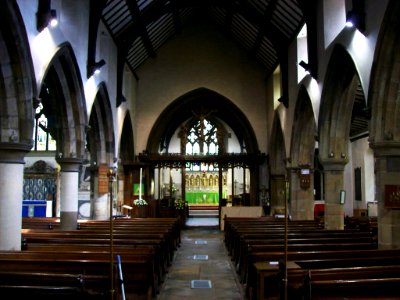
154 238
139 277
32 284
320 283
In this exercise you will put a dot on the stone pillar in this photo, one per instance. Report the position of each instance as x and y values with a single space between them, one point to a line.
333 185
11 189
387 176
120 185
278 194
302 197
69 181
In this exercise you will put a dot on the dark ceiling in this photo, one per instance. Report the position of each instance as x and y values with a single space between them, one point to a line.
264 28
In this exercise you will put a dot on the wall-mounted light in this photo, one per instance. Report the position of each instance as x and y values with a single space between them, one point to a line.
95 67
45 16
356 16
53 18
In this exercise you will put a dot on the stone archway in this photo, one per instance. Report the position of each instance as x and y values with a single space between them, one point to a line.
385 126
340 86
64 106
277 165
101 147
204 100
126 156
304 132
17 90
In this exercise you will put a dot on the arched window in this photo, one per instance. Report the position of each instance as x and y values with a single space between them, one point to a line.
43 141
202 138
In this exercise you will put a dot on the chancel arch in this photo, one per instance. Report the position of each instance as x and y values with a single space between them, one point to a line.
202 138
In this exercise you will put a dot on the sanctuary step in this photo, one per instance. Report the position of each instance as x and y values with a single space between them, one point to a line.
205 213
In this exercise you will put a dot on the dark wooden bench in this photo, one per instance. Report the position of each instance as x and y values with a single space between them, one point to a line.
138 269
149 243
304 275
44 285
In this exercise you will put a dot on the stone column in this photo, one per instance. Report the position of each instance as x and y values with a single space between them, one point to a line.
100 196
302 197
278 194
11 190
387 176
69 181
333 185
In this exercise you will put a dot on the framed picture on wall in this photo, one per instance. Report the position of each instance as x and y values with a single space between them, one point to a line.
392 196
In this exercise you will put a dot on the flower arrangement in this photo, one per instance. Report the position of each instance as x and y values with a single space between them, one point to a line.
179 204
139 202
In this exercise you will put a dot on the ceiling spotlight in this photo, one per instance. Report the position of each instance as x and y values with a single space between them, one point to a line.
95 68
53 19
45 16
356 16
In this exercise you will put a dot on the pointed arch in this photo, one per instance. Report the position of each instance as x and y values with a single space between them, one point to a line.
17 79
340 86
304 131
64 103
277 151
101 140
384 88
126 145
181 109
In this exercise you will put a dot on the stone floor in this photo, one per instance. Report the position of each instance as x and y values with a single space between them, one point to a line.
202 257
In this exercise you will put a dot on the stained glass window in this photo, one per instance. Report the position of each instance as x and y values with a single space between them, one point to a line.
43 141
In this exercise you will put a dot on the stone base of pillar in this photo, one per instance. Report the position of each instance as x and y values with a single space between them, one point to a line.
334 216
68 220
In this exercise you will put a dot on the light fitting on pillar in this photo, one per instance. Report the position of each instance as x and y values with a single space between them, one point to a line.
331 154
95 67
45 16
53 18
356 16
305 66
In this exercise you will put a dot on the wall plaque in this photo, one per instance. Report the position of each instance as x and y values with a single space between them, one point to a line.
392 196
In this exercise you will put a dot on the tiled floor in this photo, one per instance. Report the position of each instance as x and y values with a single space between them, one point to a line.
201 239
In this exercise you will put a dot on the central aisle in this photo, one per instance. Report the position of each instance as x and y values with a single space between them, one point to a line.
201 256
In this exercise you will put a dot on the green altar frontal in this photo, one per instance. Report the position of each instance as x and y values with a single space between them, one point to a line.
202 197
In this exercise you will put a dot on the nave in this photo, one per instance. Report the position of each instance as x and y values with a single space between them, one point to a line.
202 256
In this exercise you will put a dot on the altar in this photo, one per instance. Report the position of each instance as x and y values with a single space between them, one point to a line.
202 197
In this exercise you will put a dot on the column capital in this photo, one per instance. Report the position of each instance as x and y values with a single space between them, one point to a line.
14 153
385 148
69 164
331 164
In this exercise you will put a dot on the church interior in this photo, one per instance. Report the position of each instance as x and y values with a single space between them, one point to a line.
124 122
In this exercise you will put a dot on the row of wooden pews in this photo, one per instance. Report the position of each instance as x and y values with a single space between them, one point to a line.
79 264
342 263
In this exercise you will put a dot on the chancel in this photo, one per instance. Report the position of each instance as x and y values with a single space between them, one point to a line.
261 134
